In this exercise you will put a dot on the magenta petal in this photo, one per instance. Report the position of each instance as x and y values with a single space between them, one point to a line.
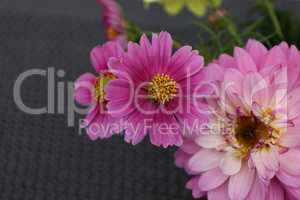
165 132
185 63
181 158
101 54
162 47
83 88
275 191
190 147
135 128
295 192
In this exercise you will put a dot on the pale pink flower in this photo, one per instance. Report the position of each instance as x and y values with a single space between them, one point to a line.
89 91
250 149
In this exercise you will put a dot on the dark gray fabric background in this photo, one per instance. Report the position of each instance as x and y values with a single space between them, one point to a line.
42 158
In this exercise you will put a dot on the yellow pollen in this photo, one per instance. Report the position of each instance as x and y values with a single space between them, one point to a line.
102 80
111 33
162 88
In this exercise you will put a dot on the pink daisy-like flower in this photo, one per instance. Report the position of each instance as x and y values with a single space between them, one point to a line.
154 88
114 21
250 149
89 90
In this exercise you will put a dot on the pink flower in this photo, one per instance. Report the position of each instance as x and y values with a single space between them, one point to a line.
250 148
89 90
154 88
114 21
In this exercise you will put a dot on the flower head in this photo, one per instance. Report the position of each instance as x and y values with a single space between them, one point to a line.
154 89
250 148
114 21
89 90
173 7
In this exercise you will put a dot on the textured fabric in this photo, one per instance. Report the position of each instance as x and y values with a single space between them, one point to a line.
41 157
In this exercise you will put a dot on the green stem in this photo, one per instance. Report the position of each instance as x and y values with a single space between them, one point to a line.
274 18
233 31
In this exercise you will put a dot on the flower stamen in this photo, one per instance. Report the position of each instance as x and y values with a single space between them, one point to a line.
162 88
101 81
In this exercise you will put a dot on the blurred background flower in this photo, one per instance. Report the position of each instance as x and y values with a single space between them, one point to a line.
197 7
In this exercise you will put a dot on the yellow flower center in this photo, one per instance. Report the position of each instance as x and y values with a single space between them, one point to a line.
111 33
162 88
101 82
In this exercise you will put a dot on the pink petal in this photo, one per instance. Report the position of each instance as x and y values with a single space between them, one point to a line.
244 61
270 158
210 141
264 173
204 160
295 192
241 183
101 54
212 73
289 162
190 147
118 89
227 61
135 130
255 90
230 164
275 57
163 133
258 190
162 48
211 179
220 193
181 158
275 191
233 80
184 63
83 88
193 185
294 66
257 51
293 104
291 138
288 179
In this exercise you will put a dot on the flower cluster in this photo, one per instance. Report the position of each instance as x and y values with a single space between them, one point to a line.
148 87
235 120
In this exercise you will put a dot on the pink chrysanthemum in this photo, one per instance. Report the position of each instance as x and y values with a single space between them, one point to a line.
250 149
153 90
89 90
113 21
